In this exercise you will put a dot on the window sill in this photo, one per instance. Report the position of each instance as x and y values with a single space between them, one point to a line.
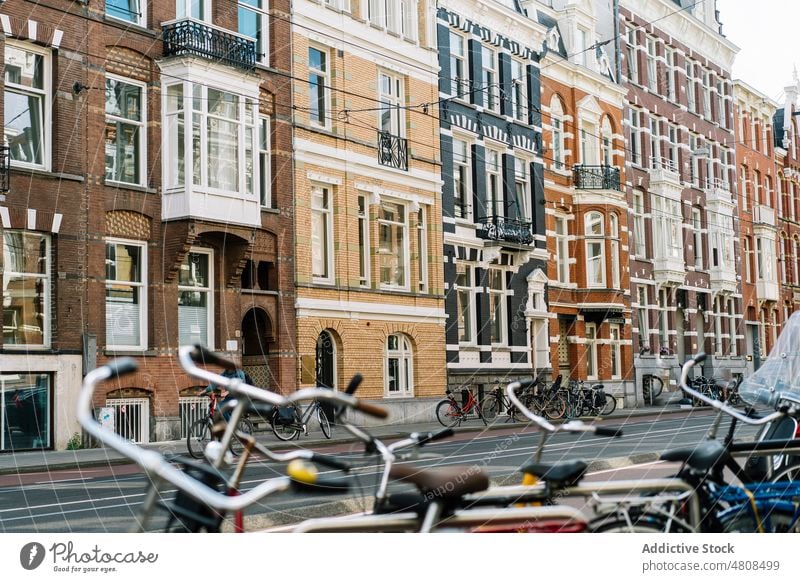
46 173
266 292
13 348
133 187
128 26
389 396
270 210
129 352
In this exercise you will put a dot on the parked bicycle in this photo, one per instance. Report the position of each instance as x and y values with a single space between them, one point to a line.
588 401
201 430
289 421
652 386
450 413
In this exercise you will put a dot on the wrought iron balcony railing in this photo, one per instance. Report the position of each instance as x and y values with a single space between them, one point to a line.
5 168
505 229
596 177
392 150
192 37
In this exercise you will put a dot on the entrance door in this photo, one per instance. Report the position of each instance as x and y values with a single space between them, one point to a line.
680 326
326 367
756 346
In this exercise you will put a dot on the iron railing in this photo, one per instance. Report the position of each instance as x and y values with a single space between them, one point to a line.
392 150
191 37
596 177
5 168
505 229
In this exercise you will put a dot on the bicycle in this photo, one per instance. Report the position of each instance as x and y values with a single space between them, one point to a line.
451 413
287 422
201 431
591 401
652 386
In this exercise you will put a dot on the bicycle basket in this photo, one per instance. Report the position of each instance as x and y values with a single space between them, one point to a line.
780 372
284 415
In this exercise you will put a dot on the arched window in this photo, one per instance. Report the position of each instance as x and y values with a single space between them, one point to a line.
594 231
615 265
399 366
557 123
606 143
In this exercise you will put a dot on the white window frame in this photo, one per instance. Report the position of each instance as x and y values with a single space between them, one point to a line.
635 145
592 372
615 339
405 354
406 250
459 86
671 56
264 131
697 227
500 295
490 79
630 55
663 319
466 292
326 214
408 19
391 104
343 5
209 290
640 244
46 97
46 279
262 13
643 316
364 242
141 125
422 249
652 68
596 241
141 15
183 9
557 124
519 91
462 209
495 202
325 76
691 97
522 181
143 295
616 269
562 248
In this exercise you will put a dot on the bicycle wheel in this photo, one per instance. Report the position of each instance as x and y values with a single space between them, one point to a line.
773 520
490 407
284 428
322 419
555 407
790 473
198 437
610 406
448 413
638 522
244 426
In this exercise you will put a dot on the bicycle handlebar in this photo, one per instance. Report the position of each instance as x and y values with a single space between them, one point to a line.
721 406
203 355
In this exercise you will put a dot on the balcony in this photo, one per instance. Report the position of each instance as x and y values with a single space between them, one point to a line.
763 214
5 168
193 37
392 151
503 229
664 170
718 192
669 270
596 178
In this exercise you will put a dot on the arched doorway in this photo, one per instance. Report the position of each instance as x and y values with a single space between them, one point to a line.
326 368
257 340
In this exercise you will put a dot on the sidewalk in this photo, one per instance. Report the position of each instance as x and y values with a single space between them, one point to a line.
45 461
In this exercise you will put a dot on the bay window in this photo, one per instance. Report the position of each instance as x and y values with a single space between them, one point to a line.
26 289
667 226
26 104
126 294
195 299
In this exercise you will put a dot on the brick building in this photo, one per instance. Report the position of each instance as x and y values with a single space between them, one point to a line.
586 206
370 293
758 178
494 228
126 232
681 184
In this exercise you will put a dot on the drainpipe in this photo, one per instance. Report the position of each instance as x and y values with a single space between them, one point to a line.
617 56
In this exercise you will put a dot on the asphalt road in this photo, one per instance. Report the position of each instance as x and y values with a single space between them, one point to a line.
107 499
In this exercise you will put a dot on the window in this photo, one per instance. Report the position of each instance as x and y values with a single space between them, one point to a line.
466 299
672 148
459 81
519 91
497 306
606 144
718 315
695 144
690 95
557 121
221 148
582 47
562 249
769 198
399 366
461 178
707 94
321 234
197 9
318 84
125 131
408 19
640 247
635 143
615 264
393 245
595 258
343 5
27 409
743 187
641 315
264 162
494 186
757 187
652 78
630 56
655 143
522 188
489 78
363 242
766 258
616 351
26 289
663 319
697 228
721 236
128 10
26 105
671 66
668 229
422 249
195 301
391 97
254 22
126 295
591 351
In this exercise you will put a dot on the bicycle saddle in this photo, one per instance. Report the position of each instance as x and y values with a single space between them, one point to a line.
702 456
444 483
557 474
